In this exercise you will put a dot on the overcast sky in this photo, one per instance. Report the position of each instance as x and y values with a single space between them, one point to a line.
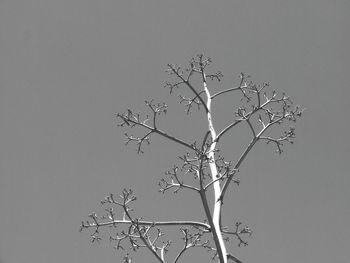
68 66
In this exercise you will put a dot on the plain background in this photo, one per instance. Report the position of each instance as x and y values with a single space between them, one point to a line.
66 67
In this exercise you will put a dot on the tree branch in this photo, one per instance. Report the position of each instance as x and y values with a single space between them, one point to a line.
240 87
189 85
129 119
204 226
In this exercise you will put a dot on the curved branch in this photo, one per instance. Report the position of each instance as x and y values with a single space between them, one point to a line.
247 116
286 115
190 86
241 159
240 87
227 129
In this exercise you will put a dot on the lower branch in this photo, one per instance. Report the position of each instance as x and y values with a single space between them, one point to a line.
203 226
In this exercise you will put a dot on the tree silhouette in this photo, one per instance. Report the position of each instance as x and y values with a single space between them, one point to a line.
262 110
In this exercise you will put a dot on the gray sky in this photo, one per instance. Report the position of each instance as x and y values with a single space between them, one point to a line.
67 66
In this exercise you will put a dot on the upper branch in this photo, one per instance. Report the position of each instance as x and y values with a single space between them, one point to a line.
132 120
177 71
282 112
240 87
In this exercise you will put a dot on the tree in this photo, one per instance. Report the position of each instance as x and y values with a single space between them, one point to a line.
262 110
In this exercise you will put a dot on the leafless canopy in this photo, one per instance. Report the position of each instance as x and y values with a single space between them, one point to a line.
263 109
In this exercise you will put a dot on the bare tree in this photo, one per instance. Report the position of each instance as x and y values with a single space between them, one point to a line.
262 110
